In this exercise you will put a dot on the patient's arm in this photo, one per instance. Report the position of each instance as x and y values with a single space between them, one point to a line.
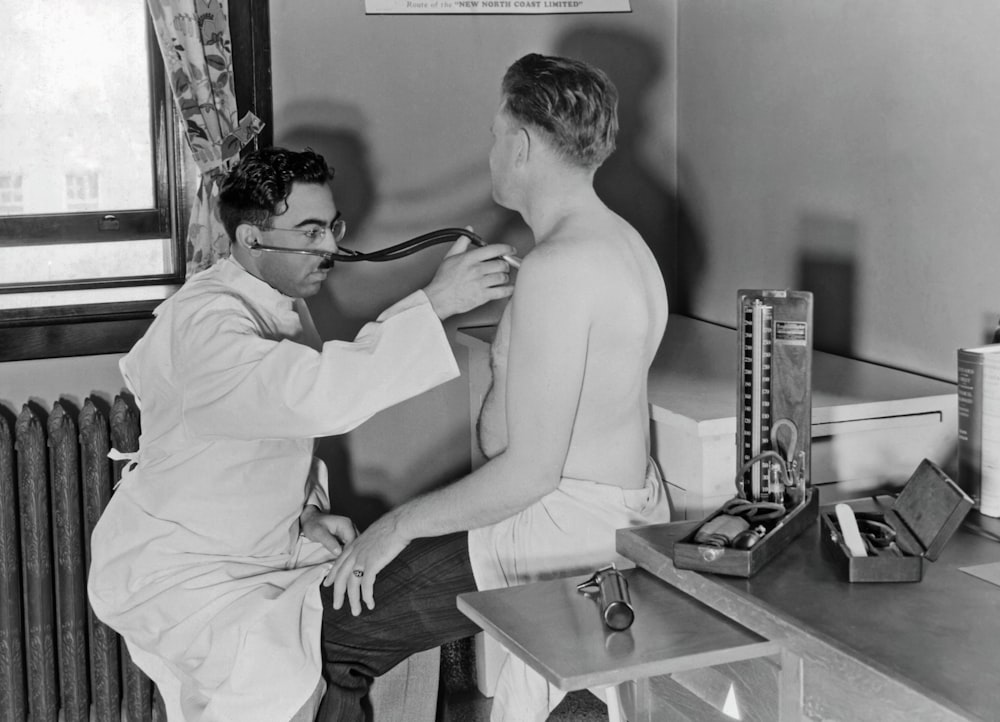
548 353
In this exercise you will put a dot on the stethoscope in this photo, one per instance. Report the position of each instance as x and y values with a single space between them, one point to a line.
400 250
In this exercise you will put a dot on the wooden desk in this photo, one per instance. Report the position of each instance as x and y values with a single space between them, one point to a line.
560 634
885 652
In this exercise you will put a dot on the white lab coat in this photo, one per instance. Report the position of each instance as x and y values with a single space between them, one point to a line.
197 560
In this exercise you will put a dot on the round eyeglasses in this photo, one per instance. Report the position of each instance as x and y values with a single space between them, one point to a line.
337 229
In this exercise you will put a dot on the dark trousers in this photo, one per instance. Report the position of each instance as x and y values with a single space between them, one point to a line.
415 609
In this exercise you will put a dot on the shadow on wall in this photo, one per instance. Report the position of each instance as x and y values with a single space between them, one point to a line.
626 181
345 151
827 266
991 328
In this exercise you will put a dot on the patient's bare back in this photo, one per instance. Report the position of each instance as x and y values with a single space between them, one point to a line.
586 319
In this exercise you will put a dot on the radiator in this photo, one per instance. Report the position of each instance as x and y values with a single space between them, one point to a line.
59 663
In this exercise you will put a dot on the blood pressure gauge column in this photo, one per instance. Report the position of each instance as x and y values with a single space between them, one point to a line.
758 334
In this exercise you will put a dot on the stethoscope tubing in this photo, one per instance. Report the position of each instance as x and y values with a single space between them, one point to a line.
391 253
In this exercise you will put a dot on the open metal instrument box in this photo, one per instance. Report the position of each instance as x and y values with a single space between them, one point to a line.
921 520
773 435
689 554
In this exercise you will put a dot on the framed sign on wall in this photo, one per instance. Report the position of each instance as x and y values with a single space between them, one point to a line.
494 7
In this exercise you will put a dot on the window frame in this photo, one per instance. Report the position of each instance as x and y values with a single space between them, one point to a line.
113 327
108 226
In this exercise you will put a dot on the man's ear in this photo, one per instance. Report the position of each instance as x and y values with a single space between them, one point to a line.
247 236
523 146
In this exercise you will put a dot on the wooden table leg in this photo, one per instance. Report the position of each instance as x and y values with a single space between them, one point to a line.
790 687
637 700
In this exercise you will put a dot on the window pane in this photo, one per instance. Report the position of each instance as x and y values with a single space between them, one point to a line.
43 263
75 107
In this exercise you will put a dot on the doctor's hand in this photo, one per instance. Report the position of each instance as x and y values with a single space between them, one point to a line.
468 278
354 573
330 530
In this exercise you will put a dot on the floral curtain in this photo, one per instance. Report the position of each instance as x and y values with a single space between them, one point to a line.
197 51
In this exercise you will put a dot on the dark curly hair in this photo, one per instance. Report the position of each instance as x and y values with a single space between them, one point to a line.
574 104
259 186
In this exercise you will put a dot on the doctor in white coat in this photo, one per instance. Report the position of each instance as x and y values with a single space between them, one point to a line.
209 556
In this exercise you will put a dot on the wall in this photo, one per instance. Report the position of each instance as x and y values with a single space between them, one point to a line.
69 380
402 107
851 147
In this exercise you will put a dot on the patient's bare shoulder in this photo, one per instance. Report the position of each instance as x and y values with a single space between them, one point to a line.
551 294
561 263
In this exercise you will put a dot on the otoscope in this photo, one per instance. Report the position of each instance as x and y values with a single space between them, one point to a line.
391 253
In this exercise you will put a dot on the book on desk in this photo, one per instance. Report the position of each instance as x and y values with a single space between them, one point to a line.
979 425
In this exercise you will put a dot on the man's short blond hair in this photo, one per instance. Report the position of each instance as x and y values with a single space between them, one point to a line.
575 105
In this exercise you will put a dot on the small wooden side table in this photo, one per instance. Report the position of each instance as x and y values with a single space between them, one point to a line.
559 633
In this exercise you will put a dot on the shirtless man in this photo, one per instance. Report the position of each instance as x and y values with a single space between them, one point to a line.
565 426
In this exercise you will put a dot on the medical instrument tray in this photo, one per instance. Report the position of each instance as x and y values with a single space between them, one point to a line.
922 519
689 554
